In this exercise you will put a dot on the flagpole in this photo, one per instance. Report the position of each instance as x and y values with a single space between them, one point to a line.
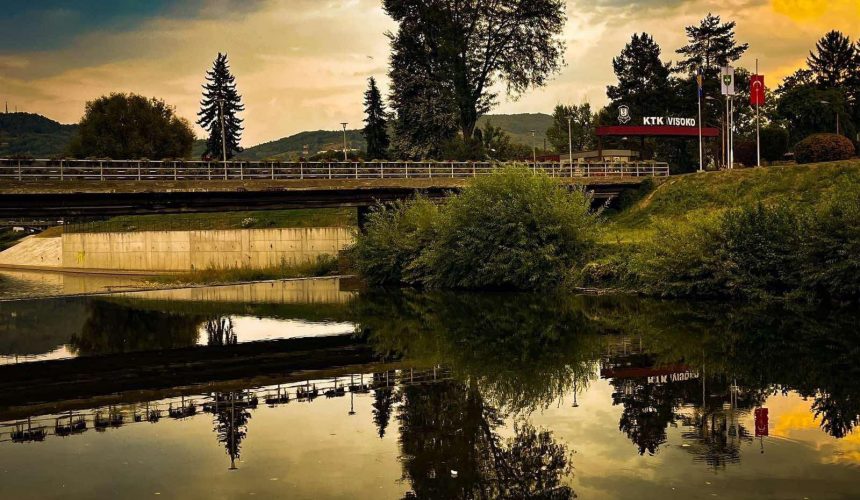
757 136
699 92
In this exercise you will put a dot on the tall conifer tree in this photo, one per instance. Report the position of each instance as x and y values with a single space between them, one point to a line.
833 60
375 124
220 87
643 79
711 45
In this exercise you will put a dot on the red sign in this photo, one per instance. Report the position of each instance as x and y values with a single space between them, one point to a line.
760 422
757 90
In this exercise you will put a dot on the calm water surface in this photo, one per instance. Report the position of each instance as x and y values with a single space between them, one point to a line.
417 395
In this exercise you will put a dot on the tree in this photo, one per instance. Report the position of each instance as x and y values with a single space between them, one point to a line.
800 78
581 128
833 60
802 109
220 92
426 117
473 44
643 79
376 126
711 45
130 126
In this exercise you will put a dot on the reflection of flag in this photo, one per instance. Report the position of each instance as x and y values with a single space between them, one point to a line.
700 80
760 422
757 90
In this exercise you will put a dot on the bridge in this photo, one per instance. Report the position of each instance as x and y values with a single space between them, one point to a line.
93 188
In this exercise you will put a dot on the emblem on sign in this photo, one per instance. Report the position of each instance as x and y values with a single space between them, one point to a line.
623 114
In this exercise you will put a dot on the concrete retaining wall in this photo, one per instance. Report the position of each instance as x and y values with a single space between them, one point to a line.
195 250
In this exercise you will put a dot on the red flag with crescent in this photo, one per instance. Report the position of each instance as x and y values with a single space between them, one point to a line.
761 422
757 90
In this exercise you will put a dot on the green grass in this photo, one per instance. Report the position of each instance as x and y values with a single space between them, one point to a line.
9 238
676 199
324 266
319 217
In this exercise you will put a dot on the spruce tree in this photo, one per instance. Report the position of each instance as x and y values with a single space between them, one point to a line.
643 79
711 45
376 126
220 88
833 60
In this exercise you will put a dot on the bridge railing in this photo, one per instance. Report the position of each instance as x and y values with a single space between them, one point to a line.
142 170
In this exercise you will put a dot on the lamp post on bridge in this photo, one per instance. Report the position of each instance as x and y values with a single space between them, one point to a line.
534 152
570 139
343 124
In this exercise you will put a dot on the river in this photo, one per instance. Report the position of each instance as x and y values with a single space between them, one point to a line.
313 389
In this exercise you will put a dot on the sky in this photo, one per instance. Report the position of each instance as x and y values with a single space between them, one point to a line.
303 64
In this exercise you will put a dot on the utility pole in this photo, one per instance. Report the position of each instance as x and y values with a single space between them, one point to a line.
343 124
699 91
757 132
223 134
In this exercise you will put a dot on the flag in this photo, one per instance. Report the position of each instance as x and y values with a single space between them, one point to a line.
757 90
727 80
761 422
700 81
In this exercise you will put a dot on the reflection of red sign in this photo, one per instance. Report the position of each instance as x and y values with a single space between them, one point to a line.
760 422
757 90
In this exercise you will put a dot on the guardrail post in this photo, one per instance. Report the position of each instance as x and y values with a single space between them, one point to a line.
452 170
101 170
174 170
19 170
429 170
61 169
273 170
225 170
356 170
241 171
407 170
474 171
382 170
329 170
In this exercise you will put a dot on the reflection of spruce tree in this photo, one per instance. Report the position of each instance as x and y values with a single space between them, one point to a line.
231 421
383 401
839 413
220 332
648 411
451 449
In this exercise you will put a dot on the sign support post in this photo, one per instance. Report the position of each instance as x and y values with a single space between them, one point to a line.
699 91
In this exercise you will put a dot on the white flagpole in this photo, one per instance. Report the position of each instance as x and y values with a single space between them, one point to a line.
757 137
701 156
732 132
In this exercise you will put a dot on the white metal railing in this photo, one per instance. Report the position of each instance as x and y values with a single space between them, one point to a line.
143 170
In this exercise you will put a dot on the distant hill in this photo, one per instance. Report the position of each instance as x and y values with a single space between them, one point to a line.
291 147
518 126
33 135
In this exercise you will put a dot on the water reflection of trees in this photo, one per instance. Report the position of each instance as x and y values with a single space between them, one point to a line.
231 413
523 351
113 328
220 332
451 448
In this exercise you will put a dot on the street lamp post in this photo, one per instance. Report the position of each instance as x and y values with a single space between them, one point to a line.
837 116
570 139
343 124
534 152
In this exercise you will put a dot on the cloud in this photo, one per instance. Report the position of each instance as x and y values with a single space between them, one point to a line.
303 64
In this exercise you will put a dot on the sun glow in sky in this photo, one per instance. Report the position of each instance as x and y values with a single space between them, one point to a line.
303 64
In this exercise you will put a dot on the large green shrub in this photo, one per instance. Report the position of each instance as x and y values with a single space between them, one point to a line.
748 252
823 147
774 143
831 248
389 250
513 229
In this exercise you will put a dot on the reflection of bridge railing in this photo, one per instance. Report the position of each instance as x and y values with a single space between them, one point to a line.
141 170
178 408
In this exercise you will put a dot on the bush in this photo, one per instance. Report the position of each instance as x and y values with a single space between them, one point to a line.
749 252
823 147
831 248
513 229
388 250
745 153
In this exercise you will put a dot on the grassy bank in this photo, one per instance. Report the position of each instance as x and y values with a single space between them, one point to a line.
323 266
317 217
687 197
777 232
